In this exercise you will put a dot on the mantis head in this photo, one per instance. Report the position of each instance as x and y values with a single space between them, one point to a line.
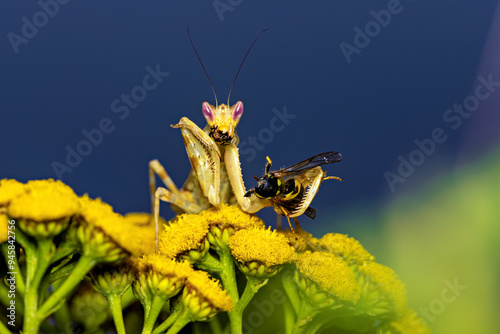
222 121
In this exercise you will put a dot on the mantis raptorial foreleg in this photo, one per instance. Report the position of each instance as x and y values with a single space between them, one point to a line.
205 158
250 204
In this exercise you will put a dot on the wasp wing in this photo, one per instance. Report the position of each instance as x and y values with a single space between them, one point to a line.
205 158
317 160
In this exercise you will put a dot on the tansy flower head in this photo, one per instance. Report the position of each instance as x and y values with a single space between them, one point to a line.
185 238
203 297
409 323
383 295
135 232
138 235
159 275
4 223
100 229
300 239
226 219
45 208
112 280
326 280
345 247
10 189
260 253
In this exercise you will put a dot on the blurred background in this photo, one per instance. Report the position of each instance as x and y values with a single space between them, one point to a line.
407 91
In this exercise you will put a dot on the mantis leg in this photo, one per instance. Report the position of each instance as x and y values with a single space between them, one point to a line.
155 167
250 204
168 196
175 196
204 155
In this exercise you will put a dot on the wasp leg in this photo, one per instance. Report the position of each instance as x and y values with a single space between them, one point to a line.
249 204
278 222
204 155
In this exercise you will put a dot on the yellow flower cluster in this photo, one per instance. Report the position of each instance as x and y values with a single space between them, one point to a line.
261 245
345 247
184 233
331 273
204 296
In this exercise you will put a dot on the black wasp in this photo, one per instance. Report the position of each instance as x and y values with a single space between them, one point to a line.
292 189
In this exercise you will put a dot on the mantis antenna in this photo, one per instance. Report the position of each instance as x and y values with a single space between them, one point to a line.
250 48
196 52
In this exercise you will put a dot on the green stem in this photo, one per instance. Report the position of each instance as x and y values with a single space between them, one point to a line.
65 249
180 322
20 285
236 315
128 298
306 314
228 278
289 314
4 329
172 317
316 325
291 289
62 318
4 294
37 264
228 274
84 265
53 277
115 303
210 264
253 285
155 310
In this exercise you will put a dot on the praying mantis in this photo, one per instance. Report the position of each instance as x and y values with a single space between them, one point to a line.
215 176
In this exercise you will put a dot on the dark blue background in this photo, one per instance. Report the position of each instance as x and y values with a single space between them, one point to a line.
371 110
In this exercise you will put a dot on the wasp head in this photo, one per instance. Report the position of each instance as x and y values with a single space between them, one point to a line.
268 186
222 121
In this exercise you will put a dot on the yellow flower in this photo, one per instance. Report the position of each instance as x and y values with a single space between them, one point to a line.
4 223
345 247
10 189
300 240
226 219
159 275
139 236
260 252
325 279
112 280
409 323
45 208
99 230
383 294
185 238
203 296
135 232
